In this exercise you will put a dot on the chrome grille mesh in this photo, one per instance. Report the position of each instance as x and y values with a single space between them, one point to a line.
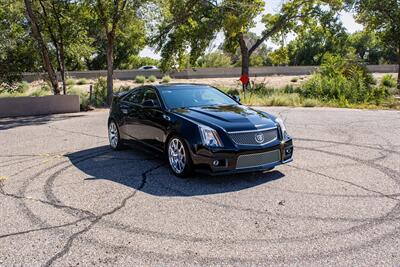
259 159
249 138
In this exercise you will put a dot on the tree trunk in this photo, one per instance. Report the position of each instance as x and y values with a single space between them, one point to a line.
245 59
45 53
398 75
62 68
110 67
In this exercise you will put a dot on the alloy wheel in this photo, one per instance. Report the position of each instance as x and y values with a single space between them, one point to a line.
113 135
177 156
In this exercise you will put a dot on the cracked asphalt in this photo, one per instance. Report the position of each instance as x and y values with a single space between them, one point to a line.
67 199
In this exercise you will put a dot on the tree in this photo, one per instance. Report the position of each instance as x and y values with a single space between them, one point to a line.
322 34
189 24
43 46
110 15
17 49
382 17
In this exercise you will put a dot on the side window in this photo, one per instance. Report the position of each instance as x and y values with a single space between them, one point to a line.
150 94
136 97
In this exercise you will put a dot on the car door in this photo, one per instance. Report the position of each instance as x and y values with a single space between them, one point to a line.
131 108
152 119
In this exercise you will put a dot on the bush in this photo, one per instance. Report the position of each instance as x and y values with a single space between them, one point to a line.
152 78
100 91
342 80
82 81
23 87
41 91
140 79
83 97
123 88
166 79
310 103
70 81
388 81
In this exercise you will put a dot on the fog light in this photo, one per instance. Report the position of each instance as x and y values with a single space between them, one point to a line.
288 151
216 162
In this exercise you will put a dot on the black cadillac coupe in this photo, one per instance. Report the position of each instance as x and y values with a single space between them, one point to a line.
199 127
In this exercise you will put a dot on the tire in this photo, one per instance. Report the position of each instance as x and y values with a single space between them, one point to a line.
114 136
179 158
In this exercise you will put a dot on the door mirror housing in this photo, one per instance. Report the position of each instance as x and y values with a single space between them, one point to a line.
150 104
236 98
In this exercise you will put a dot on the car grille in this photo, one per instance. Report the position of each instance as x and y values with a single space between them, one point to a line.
259 159
250 138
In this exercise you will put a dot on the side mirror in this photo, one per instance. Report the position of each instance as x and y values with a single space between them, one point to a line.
236 98
150 104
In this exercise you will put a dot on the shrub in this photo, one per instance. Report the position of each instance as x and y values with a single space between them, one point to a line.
152 78
124 88
310 103
82 81
70 81
140 79
23 87
43 91
166 79
342 80
388 81
100 91
83 97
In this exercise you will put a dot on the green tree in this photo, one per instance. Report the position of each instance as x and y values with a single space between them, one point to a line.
115 19
17 49
191 25
322 34
37 33
382 17
214 60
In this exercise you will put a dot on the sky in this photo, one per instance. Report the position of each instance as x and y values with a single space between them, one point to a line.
271 6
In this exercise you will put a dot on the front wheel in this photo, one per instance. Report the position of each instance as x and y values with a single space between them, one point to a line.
179 157
113 136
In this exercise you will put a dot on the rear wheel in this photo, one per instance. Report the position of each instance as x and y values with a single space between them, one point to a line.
179 157
113 136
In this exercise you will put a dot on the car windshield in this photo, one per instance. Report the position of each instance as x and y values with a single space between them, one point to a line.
194 96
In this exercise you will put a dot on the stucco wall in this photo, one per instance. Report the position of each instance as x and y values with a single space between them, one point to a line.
30 106
207 73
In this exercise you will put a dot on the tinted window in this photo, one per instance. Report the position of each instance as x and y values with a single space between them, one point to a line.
150 94
194 96
136 97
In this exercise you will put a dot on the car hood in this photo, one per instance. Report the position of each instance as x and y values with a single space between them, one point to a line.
231 118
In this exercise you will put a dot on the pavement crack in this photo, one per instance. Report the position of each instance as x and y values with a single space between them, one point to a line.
97 218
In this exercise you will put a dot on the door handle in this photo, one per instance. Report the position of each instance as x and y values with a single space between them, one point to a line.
166 117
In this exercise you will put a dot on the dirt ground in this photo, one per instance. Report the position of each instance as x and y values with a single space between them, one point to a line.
271 81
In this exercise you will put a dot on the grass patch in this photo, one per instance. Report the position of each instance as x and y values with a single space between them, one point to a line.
70 81
140 79
166 79
152 78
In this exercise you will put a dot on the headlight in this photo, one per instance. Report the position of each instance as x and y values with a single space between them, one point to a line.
282 126
209 136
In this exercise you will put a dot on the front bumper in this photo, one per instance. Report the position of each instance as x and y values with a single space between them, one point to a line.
204 159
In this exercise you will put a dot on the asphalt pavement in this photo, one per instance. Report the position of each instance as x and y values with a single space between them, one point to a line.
67 199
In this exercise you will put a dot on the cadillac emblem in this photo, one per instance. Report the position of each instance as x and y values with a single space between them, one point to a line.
259 138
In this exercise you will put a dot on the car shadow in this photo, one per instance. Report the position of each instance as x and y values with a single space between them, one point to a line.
147 171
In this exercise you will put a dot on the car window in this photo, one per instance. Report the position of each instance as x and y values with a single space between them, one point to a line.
150 94
136 97
194 96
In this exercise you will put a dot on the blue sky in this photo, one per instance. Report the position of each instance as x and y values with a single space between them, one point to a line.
271 6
